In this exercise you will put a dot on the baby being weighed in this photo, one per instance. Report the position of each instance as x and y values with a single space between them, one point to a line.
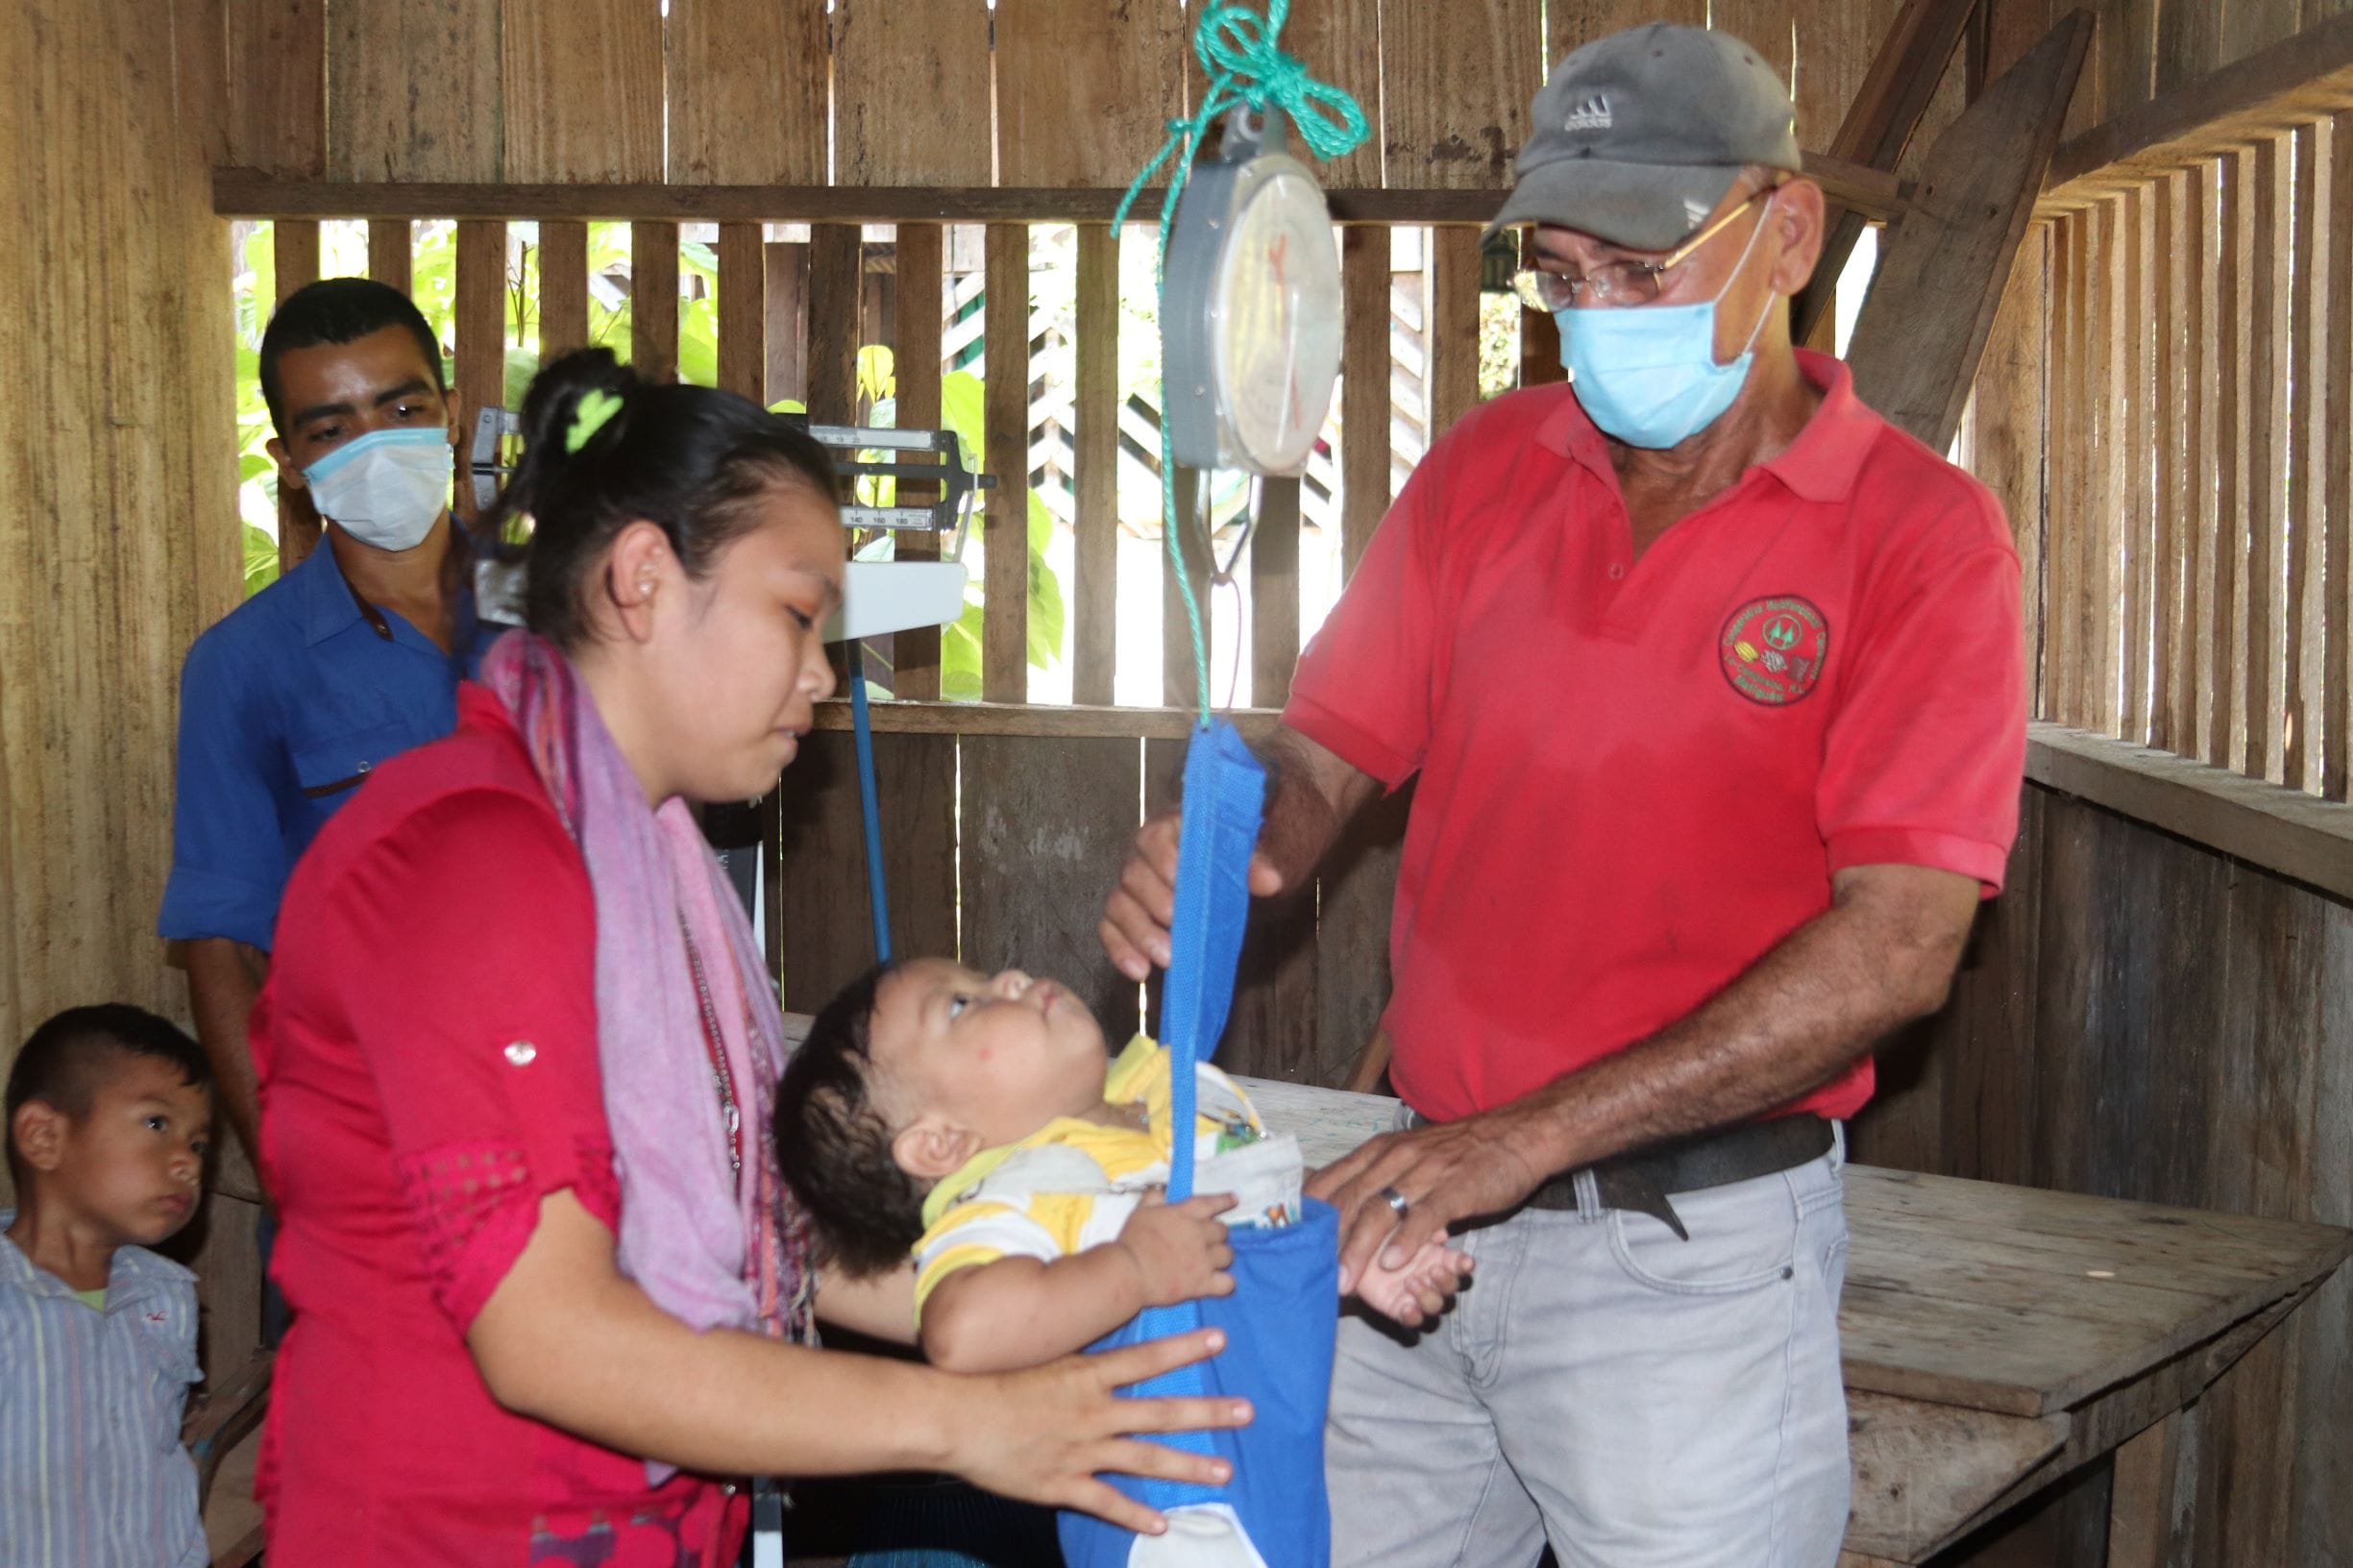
977 1124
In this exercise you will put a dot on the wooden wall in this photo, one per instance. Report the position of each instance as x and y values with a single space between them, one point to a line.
117 471
2143 1017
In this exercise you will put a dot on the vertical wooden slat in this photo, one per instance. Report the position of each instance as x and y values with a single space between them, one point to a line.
833 323
1180 678
1365 388
915 655
2268 440
2009 430
2138 453
787 275
2337 597
742 310
2201 521
911 92
744 91
2077 683
2172 713
2103 601
390 255
2226 733
1005 630
1541 349
1033 882
2306 522
820 923
277 86
415 91
581 82
653 300
1085 91
481 311
1095 596
563 288
1456 85
1453 337
1274 594
2063 464
294 245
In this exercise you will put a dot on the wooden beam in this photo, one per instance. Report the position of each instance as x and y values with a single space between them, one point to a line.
2286 831
2295 80
253 193
1879 126
1056 720
1922 331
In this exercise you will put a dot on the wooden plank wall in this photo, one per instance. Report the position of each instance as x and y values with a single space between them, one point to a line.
117 474
2198 471
2142 1017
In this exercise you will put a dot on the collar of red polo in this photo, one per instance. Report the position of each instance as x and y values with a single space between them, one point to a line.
1820 465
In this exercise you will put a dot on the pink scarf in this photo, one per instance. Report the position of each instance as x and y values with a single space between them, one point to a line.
710 1248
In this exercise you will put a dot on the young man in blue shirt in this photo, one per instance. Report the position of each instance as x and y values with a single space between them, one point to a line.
291 700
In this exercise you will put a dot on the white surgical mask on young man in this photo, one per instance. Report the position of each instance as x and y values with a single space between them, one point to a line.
387 487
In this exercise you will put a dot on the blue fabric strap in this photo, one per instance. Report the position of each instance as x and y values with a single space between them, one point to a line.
1225 796
869 806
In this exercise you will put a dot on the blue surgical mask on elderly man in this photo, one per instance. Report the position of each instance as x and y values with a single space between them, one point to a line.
1648 373
384 488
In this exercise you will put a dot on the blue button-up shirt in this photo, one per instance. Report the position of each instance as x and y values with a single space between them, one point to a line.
285 706
92 1470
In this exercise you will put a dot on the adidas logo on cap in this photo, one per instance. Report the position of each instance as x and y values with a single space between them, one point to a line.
1590 115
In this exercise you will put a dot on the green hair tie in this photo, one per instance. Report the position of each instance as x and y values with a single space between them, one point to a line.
595 410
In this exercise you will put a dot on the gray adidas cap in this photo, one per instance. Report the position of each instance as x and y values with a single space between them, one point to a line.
1638 136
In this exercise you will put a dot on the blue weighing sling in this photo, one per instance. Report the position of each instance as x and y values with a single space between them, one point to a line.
1281 1318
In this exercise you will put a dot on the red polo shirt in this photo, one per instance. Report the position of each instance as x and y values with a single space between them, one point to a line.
1636 778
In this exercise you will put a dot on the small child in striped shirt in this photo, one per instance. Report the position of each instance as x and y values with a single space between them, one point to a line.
978 1123
110 1113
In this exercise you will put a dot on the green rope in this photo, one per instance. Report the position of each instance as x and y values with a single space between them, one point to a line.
1244 65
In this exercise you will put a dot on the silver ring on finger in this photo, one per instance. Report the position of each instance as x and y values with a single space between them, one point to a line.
1397 1201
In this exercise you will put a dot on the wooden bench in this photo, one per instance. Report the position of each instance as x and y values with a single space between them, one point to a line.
1998 1337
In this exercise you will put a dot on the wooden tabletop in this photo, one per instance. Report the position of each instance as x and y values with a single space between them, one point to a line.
2003 1299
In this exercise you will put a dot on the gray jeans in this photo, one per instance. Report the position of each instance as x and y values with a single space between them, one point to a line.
1636 1400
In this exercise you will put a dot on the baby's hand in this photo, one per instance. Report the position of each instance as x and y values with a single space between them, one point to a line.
1180 1249
1420 1289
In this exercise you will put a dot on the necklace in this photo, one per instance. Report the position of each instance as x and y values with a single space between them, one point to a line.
715 1044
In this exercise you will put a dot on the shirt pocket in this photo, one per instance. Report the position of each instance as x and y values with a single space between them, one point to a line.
328 767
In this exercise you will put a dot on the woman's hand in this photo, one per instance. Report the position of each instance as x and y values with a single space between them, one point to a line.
1180 1250
1047 1434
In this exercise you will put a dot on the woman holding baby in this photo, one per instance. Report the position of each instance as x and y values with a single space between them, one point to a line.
518 1053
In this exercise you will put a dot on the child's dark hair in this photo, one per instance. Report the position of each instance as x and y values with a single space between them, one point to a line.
339 310
690 459
66 1059
834 1146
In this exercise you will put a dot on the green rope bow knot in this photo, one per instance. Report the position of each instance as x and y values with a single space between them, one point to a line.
1237 50
593 412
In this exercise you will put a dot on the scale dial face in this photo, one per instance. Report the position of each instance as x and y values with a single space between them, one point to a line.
1275 320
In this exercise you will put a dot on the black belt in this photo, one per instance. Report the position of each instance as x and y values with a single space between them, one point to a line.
1641 1181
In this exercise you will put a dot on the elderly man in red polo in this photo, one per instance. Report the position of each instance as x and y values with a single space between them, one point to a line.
1713 685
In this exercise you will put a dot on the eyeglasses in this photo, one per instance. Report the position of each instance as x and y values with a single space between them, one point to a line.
1618 282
